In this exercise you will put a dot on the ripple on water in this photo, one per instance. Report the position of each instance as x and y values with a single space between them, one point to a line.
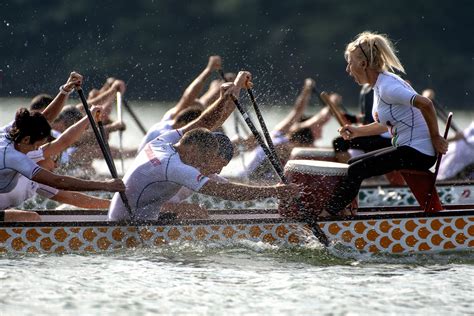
250 278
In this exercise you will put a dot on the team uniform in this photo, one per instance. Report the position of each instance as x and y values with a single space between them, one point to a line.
459 156
156 175
411 142
13 164
163 126
360 145
24 190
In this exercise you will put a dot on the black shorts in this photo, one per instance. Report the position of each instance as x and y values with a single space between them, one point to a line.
2 215
365 143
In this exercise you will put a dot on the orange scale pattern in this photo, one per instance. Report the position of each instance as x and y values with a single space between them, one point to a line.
102 239
413 235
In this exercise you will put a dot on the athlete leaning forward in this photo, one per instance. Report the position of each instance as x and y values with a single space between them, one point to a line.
23 143
185 158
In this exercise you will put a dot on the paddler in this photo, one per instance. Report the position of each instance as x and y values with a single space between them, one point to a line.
27 133
397 107
184 157
291 132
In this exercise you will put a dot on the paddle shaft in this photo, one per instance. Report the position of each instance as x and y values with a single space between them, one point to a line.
103 148
438 163
237 122
103 135
134 116
119 118
266 134
272 157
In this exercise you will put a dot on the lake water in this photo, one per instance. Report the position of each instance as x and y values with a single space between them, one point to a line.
253 278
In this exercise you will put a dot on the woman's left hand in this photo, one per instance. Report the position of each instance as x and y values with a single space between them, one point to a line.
440 144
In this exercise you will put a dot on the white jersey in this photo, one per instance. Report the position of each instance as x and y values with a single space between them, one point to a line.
460 155
393 107
22 188
12 164
257 156
163 126
155 176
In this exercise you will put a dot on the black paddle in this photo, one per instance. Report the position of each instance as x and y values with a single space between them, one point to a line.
438 163
317 231
134 116
237 122
103 135
105 152
268 138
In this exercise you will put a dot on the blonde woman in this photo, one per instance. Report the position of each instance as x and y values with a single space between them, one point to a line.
409 117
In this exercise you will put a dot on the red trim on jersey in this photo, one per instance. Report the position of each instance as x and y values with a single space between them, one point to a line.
151 156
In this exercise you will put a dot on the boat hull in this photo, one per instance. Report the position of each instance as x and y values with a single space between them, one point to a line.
395 232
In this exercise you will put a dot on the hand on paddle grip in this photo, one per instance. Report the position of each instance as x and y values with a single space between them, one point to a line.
74 81
114 185
243 80
96 112
348 132
440 144
119 86
227 88
215 63
309 83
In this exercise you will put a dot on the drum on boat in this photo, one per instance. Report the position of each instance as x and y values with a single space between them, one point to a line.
318 180
309 153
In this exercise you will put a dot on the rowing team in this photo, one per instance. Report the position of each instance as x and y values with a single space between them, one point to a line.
186 150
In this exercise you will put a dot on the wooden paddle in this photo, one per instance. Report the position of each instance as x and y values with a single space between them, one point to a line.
276 164
334 108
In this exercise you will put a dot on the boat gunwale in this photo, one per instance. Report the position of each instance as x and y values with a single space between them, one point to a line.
369 209
244 221
439 183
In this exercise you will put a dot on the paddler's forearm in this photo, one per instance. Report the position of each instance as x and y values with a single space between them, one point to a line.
55 107
69 137
214 116
73 184
297 111
81 200
237 192
193 91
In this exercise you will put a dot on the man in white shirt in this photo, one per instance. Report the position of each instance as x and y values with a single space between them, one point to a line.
185 157
185 210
